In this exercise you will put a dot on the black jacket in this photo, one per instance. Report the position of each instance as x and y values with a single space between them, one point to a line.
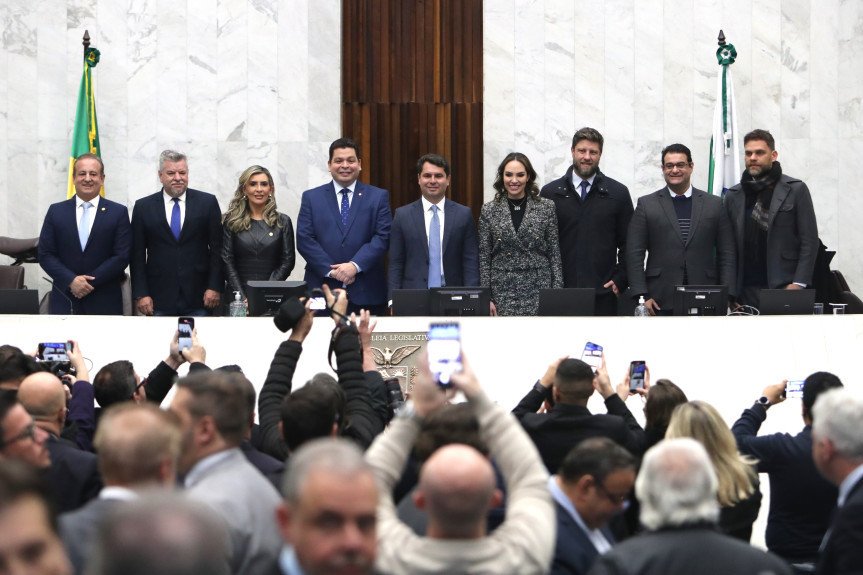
592 233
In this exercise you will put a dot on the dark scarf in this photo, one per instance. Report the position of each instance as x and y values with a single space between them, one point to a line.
759 193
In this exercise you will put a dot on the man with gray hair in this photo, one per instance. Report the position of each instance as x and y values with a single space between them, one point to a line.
837 448
328 517
176 260
677 491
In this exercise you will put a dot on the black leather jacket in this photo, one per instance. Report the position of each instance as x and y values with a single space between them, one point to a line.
259 253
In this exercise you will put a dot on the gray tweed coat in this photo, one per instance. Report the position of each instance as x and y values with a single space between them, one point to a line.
516 265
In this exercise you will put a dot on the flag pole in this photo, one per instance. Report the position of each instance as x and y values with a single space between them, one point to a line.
86 41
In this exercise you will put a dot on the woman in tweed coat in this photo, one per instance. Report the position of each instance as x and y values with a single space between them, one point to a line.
519 253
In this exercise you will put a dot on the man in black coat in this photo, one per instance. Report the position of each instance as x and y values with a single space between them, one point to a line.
593 213
569 383
176 259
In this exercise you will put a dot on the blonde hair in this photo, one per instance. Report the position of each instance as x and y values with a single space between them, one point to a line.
238 217
735 472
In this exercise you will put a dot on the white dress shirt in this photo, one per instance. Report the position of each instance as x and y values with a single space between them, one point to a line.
169 207
427 216
79 212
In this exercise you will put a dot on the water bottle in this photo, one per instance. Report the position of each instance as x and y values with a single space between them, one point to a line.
641 309
237 307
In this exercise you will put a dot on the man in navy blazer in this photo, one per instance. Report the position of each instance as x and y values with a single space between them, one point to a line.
84 246
176 245
590 488
343 231
457 247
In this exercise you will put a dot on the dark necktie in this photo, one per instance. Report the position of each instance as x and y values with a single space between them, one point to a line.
346 207
583 185
434 250
175 218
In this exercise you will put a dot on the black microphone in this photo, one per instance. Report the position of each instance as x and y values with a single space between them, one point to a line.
58 290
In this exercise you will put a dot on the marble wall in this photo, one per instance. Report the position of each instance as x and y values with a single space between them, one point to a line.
643 72
229 82
234 82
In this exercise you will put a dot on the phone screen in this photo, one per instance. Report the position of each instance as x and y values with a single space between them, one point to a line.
185 325
794 389
636 374
54 351
318 303
444 351
592 355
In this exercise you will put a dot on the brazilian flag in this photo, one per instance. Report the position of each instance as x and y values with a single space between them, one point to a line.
85 135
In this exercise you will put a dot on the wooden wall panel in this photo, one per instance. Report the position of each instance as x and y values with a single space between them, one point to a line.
411 85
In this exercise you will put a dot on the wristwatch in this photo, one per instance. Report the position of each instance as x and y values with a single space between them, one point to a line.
764 401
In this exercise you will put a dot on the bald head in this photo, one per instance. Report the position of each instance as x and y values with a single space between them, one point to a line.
43 396
457 486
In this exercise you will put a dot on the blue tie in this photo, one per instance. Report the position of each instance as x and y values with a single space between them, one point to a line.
175 219
346 207
84 225
434 250
583 185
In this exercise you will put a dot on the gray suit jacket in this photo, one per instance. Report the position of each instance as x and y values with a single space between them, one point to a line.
707 255
247 502
516 265
78 529
792 234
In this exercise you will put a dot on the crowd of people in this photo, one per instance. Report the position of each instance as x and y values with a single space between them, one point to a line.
334 478
578 231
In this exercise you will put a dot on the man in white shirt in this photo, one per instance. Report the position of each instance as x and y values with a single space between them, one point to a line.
434 240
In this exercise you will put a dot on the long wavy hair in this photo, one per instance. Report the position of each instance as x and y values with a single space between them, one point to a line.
735 472
238 217
531 188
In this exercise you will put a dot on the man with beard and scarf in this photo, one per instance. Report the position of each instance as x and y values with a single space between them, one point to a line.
774 224
593 213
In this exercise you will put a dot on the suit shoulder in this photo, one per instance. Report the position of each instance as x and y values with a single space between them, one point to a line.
556 185
612 186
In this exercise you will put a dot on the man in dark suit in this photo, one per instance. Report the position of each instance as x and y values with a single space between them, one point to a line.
837 448
570 383
590 488
343 231
593 213
176 246
773 221
685 233
677 490
801 500
138 448
73 474
84 246
417 259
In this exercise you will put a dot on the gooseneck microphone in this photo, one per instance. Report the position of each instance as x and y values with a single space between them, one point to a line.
59 291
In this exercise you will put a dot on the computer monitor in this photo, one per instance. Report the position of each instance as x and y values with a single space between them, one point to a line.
411 302
786 301
265 297
19 301
566 301
701 300
459 301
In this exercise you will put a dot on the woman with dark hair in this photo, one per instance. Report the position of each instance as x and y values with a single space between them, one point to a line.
258 241
519 252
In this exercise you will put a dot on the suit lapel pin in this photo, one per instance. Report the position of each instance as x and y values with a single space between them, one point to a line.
271 233
103 209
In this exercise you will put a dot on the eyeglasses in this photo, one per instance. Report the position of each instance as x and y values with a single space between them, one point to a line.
614 498
28 433
678 166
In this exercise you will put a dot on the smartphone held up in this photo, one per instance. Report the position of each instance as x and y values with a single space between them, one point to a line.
185 325
444 352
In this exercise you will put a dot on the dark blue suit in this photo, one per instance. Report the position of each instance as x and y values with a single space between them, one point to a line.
322 239
409 252
105 256
175 273
573 552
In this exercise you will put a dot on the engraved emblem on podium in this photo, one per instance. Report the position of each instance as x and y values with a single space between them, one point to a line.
395 355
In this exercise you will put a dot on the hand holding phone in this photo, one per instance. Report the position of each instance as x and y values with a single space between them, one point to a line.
185 325
637 371
444 351
794 389
592 355
54 351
